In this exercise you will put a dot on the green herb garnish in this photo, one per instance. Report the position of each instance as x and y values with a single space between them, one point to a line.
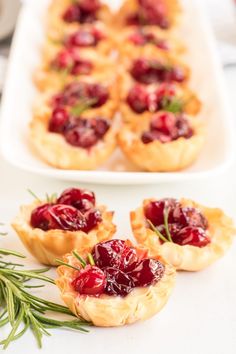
166 226
19 307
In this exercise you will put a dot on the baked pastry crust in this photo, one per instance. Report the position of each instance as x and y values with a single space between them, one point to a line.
109 311
58 7
192 105
190 258
157 156
54 149
46 246
130 7
46 78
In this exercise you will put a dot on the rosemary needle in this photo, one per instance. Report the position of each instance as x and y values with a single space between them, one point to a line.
23 310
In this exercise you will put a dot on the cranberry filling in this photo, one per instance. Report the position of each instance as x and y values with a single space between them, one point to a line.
74 210
79 92
140 38
141 100
69 59
167 127
90 281
123 267
150 13
149 71
187 225
84 38
78 132
83 12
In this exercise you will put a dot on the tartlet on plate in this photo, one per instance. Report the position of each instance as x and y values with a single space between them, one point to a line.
96 36
198 235
63 14
51 228
121 285
140 101
132 39
73 142
168 142
162 13
66 64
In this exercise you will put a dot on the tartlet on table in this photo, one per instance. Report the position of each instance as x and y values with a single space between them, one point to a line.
121 286
197 235
51 228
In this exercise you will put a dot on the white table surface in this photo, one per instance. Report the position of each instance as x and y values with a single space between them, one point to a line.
200 317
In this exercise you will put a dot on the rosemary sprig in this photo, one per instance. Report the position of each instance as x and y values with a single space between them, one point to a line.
19 307
90 259
174 105
33 195
51 198
166 226
82 106
81 260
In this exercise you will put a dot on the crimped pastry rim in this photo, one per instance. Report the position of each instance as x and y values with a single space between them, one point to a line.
187 257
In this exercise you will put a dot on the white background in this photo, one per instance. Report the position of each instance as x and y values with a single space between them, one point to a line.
200 317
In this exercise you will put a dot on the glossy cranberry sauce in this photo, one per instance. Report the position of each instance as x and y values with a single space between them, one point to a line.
69 60
150 12
186 225
83 11
80 92
118 270
140 38
166 127
84 38
150 71
141 99
77 131
73 210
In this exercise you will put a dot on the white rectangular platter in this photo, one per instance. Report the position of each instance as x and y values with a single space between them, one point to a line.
19 94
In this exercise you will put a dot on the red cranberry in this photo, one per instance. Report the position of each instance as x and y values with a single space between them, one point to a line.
147 272
154 211
118 282
81 137
99 93
81 67
93 218
90 5
187 216
38 219
115 253
150 136
58 120
100 126
137 99
183 128
194 236
173 229
81 199
72 13
141 38
58 216
90 281
81 38
164 123
148 71
63 60
165 90
154 13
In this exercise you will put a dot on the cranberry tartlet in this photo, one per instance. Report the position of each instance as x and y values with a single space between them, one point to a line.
49 229
139 101
186 234
66 64
116 284
63 14
168 142
161 13
134 39
68 139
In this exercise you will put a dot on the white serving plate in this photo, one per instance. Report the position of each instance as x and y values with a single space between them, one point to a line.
207 80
